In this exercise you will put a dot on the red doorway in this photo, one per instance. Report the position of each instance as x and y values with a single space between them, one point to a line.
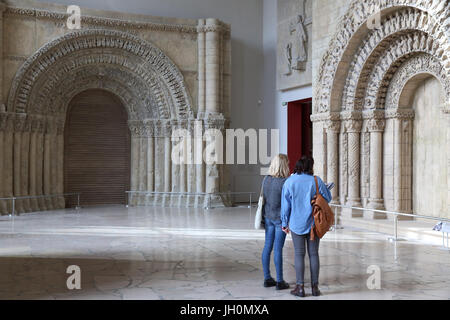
299 130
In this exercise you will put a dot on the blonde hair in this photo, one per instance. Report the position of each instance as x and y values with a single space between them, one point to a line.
279 166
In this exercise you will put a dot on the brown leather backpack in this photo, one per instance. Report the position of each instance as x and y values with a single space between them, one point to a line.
322 214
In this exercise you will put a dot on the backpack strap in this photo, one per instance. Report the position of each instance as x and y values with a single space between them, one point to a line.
317 186
312 235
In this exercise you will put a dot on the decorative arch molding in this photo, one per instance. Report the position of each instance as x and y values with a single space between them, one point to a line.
394 27
53 94
352 28
406 47
418 65
143 61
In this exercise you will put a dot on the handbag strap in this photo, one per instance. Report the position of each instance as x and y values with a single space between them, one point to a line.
262 187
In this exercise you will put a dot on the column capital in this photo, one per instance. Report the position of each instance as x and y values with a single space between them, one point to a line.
446 108
376 125
354 126
333 126
325 116
19 122
215 121
404 114
3 121
373 114
50 126
136 128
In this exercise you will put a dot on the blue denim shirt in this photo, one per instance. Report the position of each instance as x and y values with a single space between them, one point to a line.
296 208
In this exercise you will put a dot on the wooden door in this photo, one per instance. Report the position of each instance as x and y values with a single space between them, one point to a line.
97 148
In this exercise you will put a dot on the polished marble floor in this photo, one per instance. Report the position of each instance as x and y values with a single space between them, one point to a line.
171 253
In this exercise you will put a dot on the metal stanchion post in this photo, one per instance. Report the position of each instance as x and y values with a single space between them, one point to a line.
335 219
13 206
250 204
78 201
209 202
395 228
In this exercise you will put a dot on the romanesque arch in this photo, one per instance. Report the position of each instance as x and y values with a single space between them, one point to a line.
115 54
359 98
146 81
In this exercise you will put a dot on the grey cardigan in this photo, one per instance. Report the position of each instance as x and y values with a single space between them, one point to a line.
272 197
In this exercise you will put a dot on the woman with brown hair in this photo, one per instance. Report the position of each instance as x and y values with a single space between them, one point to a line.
296 216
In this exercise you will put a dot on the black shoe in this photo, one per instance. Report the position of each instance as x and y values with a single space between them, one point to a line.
282 285
315 290
269 283
299 291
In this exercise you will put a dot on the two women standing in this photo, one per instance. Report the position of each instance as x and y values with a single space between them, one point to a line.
289 200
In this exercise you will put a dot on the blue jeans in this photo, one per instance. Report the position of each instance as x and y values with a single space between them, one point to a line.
275 238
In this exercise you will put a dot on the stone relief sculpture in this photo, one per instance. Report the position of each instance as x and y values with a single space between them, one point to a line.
301 45
289 58
301 39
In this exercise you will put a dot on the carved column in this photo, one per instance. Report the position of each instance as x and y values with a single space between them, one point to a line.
199 146
333 128
214 136
2 98
143 170
159 161
135 130
149 129
376 129
41 128
54 163
353 128
343 163
190 179
167 134
25 163
8 159
201 41
212 63
49 133
177 139
19 125
33 155
3 118
59 162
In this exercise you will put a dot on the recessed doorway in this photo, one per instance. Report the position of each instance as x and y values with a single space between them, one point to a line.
97 148
299 130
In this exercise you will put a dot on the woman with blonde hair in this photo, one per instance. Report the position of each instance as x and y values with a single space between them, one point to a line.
275 237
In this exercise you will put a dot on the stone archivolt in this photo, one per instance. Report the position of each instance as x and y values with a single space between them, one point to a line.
133 55
420 64
413 40
150 87
359 12
376 43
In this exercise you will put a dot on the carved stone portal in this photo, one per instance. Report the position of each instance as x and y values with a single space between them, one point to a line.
369 77
107 54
